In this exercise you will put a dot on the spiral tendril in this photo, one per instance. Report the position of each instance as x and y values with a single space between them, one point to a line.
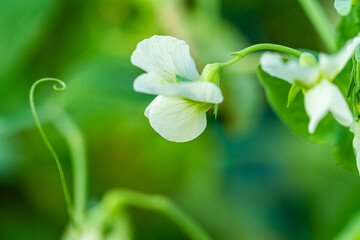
61 87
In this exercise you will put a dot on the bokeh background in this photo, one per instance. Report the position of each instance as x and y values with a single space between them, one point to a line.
246 177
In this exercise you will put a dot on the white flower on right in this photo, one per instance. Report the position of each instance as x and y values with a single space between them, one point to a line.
343 7
178 113
321 96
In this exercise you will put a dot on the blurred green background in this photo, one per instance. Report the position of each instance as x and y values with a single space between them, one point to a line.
246 177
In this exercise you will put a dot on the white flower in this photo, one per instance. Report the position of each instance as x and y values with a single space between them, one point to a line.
321 96
355 128
179 112
343 7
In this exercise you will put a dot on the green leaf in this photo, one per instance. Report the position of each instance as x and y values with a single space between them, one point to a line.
294 116
21 24
343 152
182 79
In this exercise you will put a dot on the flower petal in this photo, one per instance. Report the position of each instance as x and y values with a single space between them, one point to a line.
343 7
340 108
317 103
291 71
355 128
167 56
176 119
325 97
331 65
147 110
200 91
150 83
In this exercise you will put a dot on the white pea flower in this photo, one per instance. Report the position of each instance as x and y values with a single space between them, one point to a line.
343 7
321 95
178 113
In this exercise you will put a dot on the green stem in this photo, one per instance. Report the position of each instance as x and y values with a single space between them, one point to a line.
75 141
321 22
159 204
47 142
260 46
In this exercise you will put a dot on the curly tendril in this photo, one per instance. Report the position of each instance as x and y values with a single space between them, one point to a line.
61 87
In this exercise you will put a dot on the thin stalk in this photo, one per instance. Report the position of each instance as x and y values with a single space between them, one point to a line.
159 204
75 141
321 22
47 142
258 47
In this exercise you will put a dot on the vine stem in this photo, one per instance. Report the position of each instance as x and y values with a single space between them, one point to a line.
120 198
75 141
47 142
257 47
321 22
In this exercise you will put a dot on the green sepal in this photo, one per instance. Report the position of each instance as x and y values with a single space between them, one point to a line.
354 87
352 79
182 79
294 90
216 107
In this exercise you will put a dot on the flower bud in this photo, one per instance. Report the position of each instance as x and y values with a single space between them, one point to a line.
211 73
307 59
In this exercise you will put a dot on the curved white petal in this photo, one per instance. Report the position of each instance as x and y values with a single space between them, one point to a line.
317 103
176 119
291 71
167 56
197 91
147 110
331 65
355 128
321 99
339 107
200 91
150 83
343 7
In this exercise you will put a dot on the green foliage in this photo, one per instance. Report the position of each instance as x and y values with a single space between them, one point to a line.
88 44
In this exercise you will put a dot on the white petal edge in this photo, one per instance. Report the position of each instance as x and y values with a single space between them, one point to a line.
291 71
343 7
147 110
167 56
321 99
200 91
176 119
150 83
355 129
339 107
331 65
